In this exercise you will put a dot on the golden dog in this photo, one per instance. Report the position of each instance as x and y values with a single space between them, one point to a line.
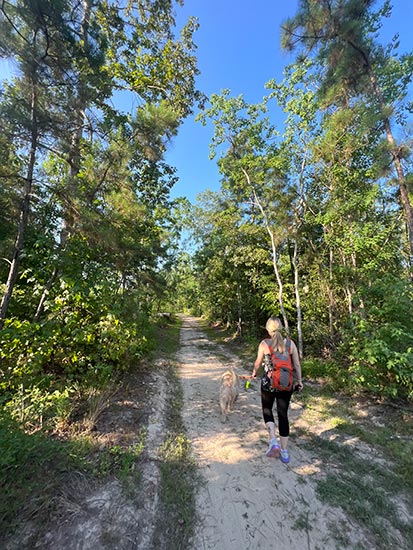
229 391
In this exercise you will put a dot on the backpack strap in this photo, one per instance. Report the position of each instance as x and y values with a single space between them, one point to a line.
287 346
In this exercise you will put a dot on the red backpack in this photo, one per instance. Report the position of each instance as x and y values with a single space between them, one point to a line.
280 372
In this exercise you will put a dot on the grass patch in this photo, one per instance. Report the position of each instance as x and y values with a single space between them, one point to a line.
302 522
167 336
393 437
180 478
399 451
34 468
369 492
31 469
120 462
369 506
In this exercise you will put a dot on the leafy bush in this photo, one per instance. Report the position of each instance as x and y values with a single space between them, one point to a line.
85 337
380 345
314 367
379 365
33 407
75 347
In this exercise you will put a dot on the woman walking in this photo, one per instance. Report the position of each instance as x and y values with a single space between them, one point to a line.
277 346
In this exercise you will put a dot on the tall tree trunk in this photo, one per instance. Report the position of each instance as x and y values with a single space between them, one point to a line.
404 193
331 305
75 154
274 253
25 209
298 302
74 157
348 290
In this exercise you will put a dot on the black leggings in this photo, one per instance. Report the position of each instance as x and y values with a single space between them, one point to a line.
283 402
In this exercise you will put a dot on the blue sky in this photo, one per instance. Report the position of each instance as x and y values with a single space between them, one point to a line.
239 48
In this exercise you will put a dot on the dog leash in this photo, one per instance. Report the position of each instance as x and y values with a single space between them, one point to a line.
249 377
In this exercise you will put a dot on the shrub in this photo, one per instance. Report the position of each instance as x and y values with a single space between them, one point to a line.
379 346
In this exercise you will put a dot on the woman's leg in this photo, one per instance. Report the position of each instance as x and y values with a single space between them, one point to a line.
283 402
267 402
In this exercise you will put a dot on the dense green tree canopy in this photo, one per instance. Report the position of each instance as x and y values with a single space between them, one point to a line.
89 223
327 198
313 222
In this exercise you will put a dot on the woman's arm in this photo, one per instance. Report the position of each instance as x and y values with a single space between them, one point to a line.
296 365
258 360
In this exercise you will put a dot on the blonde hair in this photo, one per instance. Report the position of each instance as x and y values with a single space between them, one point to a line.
274 328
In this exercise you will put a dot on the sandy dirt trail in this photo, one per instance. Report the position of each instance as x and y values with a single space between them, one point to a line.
248 501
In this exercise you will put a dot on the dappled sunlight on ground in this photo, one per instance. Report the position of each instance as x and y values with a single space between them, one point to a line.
226 448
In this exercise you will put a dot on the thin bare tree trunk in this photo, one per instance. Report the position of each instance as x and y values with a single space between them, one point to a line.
45 292
348 290
274 253
300 212
239 304
298 303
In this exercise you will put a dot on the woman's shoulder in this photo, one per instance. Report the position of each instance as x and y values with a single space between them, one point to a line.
265 343
291 343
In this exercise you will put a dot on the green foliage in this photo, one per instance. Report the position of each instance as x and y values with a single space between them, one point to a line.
380 345
315 368
112 189
230 268
375 354
90 334
38 358
34 407
120 461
